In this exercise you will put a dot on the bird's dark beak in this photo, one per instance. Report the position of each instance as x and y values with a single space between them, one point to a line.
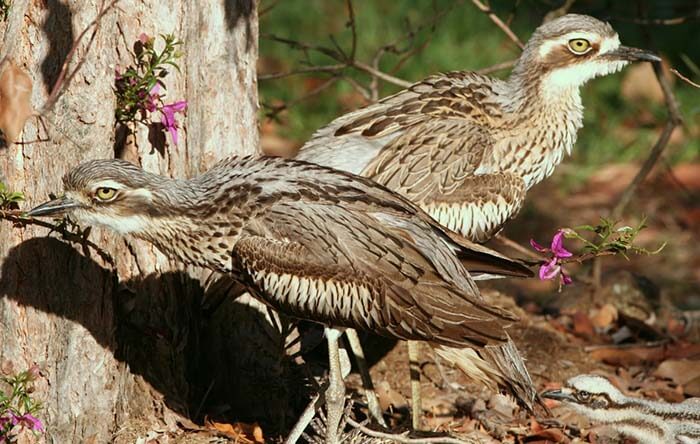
559 395
629 54
54 207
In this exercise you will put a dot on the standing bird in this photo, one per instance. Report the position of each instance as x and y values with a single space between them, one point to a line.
316 244
466 147
650 422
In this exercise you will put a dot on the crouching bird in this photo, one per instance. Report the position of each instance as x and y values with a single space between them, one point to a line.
317 244
650 422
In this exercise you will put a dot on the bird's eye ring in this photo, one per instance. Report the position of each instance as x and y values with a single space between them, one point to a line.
105 194
579 46
583 395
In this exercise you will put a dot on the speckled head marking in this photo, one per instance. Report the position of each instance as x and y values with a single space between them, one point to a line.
648 421
567 52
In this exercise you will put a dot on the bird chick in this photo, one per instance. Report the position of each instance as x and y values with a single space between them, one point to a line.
650 422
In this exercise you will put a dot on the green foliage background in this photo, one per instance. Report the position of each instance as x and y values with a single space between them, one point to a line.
466 39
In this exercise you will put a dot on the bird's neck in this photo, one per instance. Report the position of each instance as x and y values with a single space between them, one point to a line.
541 128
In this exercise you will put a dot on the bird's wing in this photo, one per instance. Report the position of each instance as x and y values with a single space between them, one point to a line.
434 158
353 141
372 269
430 143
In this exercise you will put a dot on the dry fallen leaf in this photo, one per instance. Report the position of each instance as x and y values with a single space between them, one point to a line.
15 100
547 436
242 433
680 371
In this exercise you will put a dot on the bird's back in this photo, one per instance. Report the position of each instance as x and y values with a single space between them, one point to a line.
352 141
339 249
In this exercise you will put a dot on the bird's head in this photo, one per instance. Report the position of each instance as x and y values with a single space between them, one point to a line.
588 394
110 193
568 51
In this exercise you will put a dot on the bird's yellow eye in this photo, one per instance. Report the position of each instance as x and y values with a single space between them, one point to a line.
579 46
105 194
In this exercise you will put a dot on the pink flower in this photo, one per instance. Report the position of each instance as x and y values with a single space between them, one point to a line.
151 101
31 422
144 38
552 267
168 119
6 417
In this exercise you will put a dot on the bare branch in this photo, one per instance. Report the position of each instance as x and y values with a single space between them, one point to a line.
495 19
403 437
15 216
382 75
684 78
276 110
308 70
664 22
674 119
351 24
560 11
497 67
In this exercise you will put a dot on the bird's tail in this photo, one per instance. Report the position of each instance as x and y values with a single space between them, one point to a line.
494 365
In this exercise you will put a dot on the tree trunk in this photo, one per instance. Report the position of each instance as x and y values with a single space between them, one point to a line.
122 348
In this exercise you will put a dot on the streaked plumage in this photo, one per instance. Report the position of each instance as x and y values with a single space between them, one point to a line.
467 147
317 244
650 422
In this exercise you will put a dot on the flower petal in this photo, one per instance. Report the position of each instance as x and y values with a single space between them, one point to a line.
549 270
558 245
566 279
537 246
34 422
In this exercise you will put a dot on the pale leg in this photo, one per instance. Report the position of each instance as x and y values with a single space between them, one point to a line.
414 367
335 394
372 402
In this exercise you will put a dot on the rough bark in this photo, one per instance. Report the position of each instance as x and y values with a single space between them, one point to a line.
125 344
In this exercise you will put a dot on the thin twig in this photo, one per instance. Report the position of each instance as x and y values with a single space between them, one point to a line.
498 22
674 119
558 12
353 29
275 110
517 247
349 60
310 69
684 78
665 22
64 79
15 216
382 75
402 437
497 67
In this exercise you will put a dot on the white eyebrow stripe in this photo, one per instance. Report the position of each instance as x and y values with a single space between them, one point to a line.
108 184
143 192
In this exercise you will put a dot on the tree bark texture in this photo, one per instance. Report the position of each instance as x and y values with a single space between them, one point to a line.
126 348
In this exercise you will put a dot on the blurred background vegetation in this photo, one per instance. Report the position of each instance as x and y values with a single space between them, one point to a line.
624 113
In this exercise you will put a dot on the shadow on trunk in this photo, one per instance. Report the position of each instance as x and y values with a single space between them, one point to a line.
229 364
